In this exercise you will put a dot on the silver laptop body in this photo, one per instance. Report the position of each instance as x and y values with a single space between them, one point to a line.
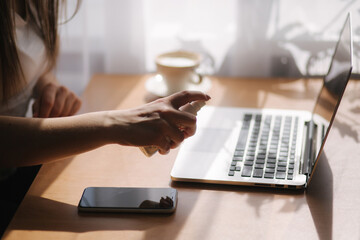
265 147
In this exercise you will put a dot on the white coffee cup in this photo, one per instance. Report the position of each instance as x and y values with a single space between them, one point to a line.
179 69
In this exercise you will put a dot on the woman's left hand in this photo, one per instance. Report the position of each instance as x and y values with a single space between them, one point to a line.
53 99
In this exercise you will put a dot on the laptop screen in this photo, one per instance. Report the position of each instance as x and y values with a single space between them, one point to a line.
336 79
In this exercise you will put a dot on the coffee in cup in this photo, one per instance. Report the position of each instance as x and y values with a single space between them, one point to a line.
179 69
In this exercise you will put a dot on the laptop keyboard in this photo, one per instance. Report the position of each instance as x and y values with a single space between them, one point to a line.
266 147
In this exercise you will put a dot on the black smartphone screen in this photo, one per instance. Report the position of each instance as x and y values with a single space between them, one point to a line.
112 199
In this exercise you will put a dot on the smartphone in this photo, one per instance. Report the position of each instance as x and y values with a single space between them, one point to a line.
141 200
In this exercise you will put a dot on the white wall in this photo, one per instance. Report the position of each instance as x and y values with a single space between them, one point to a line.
236 37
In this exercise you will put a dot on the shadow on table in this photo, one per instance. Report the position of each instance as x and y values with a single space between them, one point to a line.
66 218
256 197
319 197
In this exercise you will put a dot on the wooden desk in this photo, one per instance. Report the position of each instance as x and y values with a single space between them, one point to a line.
330 209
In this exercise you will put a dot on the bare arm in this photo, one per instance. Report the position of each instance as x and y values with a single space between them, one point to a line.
30 141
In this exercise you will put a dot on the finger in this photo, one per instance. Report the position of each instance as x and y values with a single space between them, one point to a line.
61 95
166 203
171 139
179 118
68 106
47 100
179 99
75 107
175 136
183 121
35 108
72 105
169 201
189 131
164 146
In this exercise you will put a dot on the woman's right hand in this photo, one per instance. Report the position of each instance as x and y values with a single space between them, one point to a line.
159 123
53 99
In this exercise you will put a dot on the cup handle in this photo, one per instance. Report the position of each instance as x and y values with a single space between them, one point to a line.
200 78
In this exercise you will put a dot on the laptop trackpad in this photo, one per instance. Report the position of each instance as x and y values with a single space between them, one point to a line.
210 140
207 154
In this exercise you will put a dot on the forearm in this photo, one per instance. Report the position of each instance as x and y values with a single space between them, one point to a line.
30 141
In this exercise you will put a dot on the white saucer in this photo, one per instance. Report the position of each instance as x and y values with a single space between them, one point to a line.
157 86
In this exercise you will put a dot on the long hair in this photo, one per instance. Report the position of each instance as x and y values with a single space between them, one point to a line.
44 17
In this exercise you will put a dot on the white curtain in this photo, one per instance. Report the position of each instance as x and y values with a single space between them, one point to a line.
236 37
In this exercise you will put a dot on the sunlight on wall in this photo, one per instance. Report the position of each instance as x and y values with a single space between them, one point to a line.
236 37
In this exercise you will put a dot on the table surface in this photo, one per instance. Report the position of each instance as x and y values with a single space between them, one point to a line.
329 209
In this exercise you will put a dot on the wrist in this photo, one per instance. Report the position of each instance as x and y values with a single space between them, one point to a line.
104 124
44 80
116 125
111 126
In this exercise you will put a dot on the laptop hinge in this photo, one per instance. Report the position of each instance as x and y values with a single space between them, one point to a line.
309 150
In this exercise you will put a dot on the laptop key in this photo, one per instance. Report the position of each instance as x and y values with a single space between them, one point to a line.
246 172
271 160
282 164
272 155
231 173
260 161
269 170
259 166
247 117
270 165
274 144
238 169
249 158
284 149
252 154
262 151
238 158
258 173
280 175
269 175
252 148
239 153
248 163
281 169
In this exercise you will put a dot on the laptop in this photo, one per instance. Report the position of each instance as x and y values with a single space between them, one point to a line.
265 147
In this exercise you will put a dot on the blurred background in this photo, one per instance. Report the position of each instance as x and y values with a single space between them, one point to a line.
254 38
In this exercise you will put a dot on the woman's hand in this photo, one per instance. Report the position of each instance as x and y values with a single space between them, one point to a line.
53 100
159 123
